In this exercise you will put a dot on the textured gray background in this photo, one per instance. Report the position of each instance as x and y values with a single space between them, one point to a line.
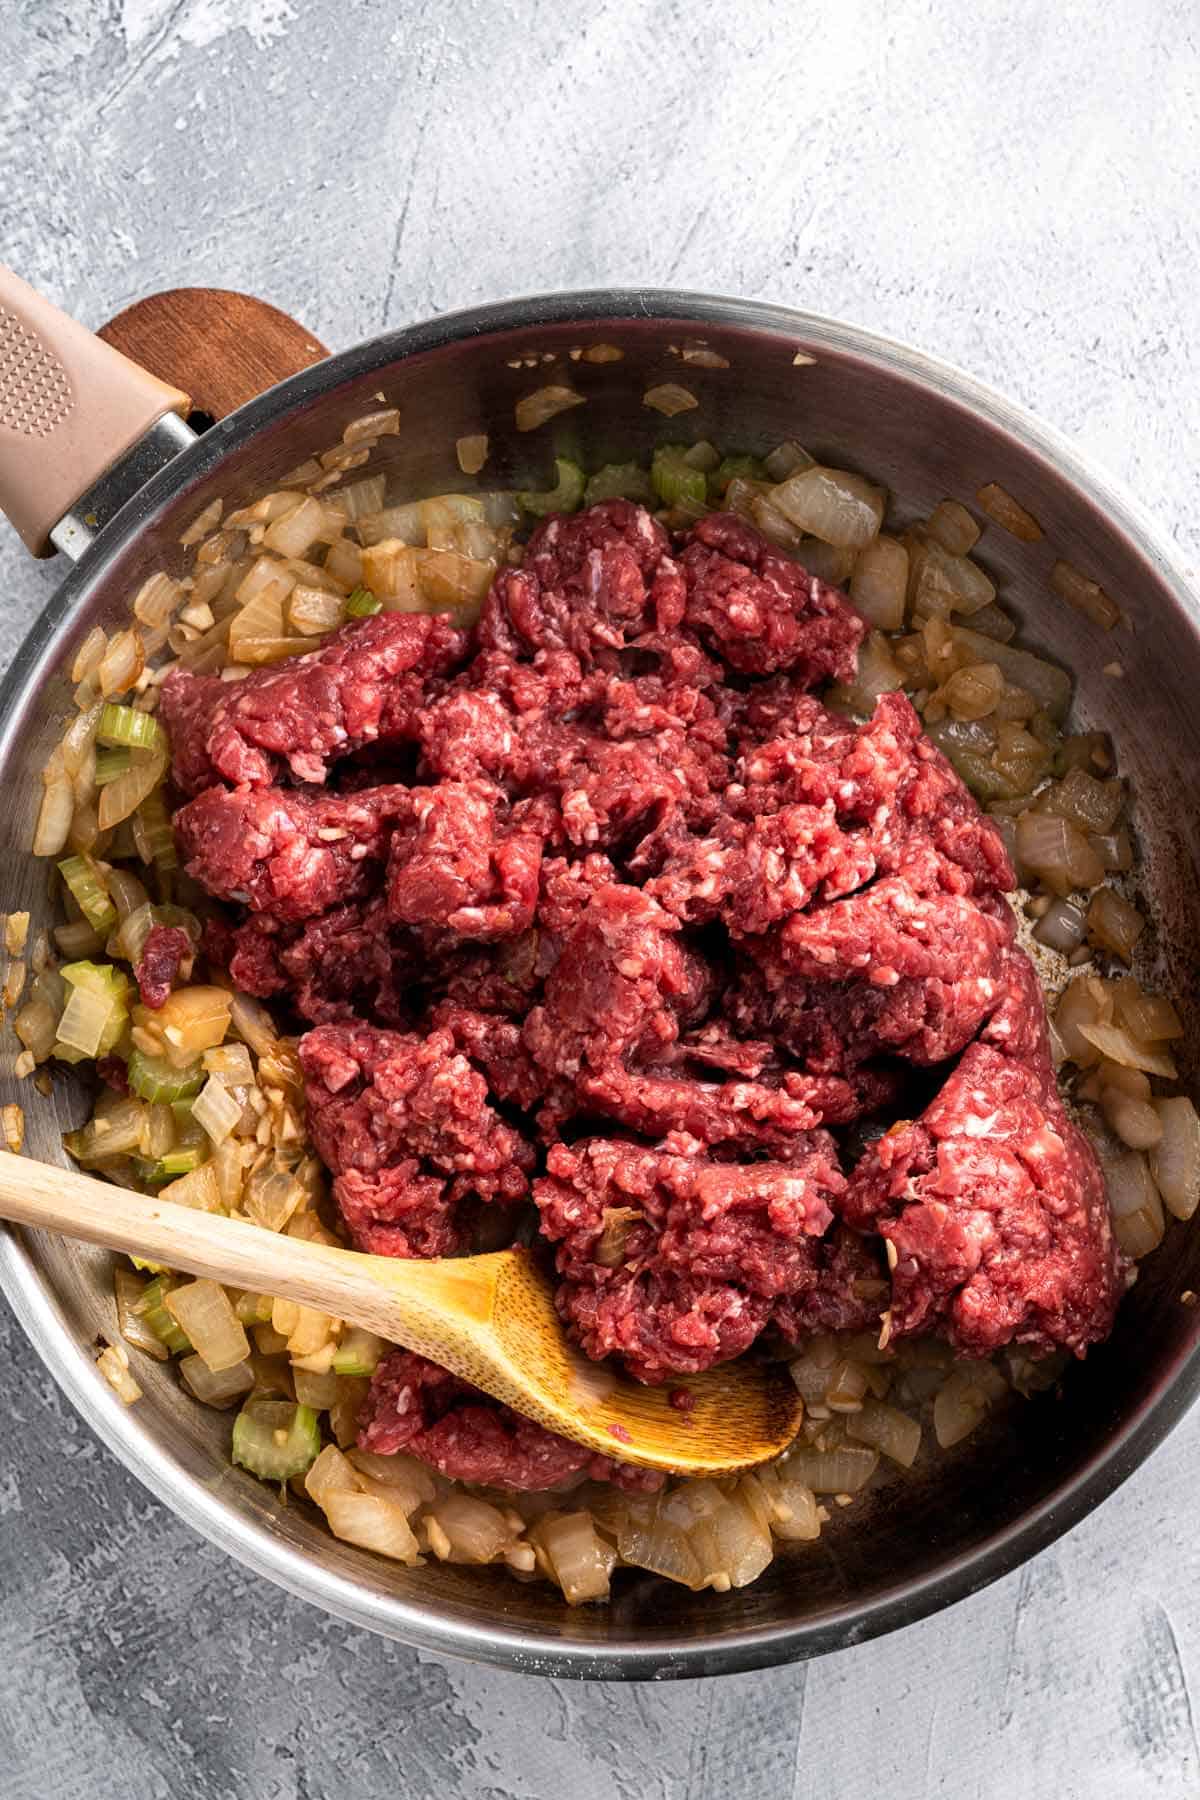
1010 184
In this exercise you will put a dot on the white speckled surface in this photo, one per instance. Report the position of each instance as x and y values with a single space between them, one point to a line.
1010 184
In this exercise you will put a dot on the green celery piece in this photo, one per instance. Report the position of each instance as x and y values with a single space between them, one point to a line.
674 479
255 1446
152 1308
153 1078
564 497
125 726
362 603
745 468
110 764
358 1353
160 835
93 899
169 1167
618 481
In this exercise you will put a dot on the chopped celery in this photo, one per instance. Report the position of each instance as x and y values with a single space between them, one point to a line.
98 1008
735 468
153 1078
362 603
565 496
154 833
276 1439
358 1353
110 764
168 1167
618 481
152 1308
674 478
80 875
128 728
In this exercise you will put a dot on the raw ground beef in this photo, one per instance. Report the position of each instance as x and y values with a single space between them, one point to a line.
672 1262
288 852
415 1405
166 951
609 910
405 1126
993 1201
364 685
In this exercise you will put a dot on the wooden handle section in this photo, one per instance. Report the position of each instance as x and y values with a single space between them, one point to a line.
70 406
226 348
415 1302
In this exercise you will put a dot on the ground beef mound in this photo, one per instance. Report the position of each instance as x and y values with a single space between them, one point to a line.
601 907
365 685
405 1126
289 852
761 612
993 1202
671 1261
415 1405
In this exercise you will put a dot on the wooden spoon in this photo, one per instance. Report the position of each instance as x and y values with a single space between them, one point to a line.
489 1318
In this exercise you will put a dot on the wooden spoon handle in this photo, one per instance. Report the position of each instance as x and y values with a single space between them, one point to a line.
35 1193
413 1303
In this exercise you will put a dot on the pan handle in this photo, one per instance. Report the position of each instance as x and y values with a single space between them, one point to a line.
70 408
86 420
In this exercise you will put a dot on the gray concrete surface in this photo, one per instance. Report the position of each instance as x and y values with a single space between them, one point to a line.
1010 184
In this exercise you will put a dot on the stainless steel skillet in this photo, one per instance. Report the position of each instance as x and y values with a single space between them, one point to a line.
928 431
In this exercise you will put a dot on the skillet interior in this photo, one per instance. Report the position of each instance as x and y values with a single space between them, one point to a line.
926 433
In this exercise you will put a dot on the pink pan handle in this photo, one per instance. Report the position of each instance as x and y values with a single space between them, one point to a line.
70 407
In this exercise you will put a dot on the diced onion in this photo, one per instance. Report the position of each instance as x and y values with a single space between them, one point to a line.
1060 927
879 583
472 452
1084 1001
57 807
1133 1120
121 798
385 423
1000 506
1135 1204
886 1429
122 663
582 1561
1086 596
1150 1017
836 506
202 1309
668 398
544 403
787 459
331 1473
358 498
474 1531
1175 1159
841 1471
962 1401
216 1110
1119 1047
127 1290
1113 923
113 1364
312 612
372 1524
1057 852
222 1387
1049 685
951 525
